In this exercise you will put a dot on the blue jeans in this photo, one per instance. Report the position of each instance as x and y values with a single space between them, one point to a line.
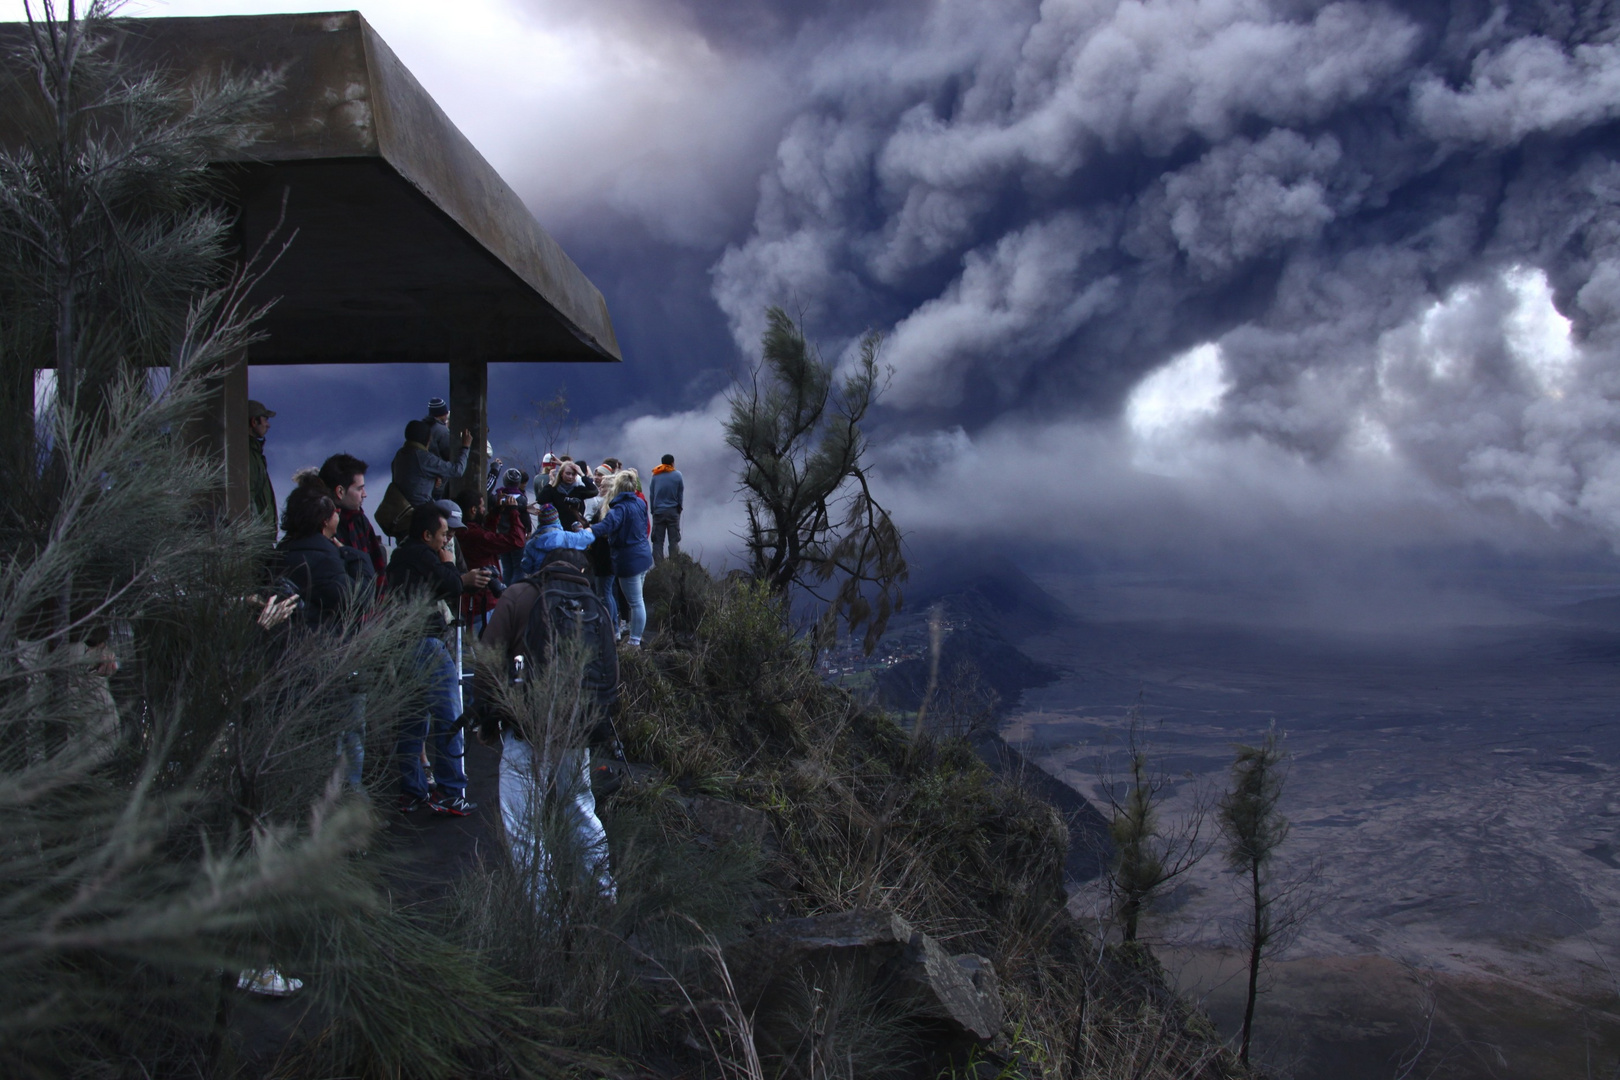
352 742
449 746
523 784
638 607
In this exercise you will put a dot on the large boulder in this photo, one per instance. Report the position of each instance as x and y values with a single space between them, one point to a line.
903 963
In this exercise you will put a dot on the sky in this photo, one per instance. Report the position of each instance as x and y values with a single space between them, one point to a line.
1326 294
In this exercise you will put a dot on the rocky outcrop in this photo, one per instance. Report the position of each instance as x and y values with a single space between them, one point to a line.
905 965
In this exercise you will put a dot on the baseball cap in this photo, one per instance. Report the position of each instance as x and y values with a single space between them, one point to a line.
551 459
257 409
451 511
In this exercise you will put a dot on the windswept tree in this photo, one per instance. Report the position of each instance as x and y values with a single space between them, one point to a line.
168 768
813 521
1148 853
108 229
1254 828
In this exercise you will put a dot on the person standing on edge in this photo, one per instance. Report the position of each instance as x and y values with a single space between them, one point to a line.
666 498
625 527
424 565
438 418
262 494
345 476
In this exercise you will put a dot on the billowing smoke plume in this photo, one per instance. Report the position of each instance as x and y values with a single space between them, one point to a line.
1350 239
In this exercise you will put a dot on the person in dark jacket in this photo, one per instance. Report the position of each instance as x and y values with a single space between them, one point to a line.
261 493
438 421
624 526
568 493
335 583
331 579
525 770
418 471
666 498
423 566
345 476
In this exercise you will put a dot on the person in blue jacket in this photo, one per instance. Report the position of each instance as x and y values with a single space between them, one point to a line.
625 525
549 535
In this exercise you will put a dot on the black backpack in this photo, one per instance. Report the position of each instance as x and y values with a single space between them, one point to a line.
568 607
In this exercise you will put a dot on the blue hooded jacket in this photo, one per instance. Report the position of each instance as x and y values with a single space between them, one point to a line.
550 538
625 526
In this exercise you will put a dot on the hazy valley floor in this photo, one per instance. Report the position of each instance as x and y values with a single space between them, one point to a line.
1455 787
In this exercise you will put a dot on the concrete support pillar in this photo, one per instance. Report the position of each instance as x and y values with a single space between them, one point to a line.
220 430
469 409
232 403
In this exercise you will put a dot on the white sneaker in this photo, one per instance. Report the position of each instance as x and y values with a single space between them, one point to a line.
269 982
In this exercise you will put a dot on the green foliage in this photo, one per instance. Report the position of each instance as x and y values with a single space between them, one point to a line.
183 819
798 430
1254 828
108 232
1146 856
867 813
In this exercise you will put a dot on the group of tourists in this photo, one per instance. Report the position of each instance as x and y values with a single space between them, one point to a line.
461 543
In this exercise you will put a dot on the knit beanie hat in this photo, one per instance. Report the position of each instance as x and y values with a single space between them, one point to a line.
548 515
437 407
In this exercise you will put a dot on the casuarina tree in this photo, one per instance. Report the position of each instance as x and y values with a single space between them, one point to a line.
175 813
813 521
1148 855
1254 828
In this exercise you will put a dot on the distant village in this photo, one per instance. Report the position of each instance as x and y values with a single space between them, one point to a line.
849 667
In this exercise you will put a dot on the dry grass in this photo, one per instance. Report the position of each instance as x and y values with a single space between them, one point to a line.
867 813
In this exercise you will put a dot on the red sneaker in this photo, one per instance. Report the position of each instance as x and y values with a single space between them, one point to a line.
454 805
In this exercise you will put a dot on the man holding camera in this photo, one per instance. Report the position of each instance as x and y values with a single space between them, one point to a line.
424 565
483 541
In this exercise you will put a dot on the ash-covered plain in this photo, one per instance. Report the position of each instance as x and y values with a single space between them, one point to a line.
1452 787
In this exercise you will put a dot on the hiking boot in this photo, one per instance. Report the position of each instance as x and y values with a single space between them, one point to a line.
410 804
456 805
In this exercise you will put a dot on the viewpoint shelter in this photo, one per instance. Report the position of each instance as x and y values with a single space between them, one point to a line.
409 246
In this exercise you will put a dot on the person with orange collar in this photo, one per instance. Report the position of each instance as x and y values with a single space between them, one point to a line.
666 498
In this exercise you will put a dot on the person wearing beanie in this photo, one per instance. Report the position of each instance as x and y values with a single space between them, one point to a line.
511 490
438 416
549 536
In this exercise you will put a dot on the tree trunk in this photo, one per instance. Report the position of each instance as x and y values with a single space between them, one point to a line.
1256 941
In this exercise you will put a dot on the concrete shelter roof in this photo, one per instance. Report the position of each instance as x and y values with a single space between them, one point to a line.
410 246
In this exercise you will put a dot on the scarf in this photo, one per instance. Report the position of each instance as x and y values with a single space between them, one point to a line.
662 469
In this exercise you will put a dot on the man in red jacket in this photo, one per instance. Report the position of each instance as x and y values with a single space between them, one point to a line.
482 547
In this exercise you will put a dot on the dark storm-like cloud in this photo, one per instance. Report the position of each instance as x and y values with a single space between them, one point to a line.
1398 226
